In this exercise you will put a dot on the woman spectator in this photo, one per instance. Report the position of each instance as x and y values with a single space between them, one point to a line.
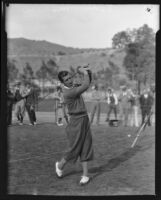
134 101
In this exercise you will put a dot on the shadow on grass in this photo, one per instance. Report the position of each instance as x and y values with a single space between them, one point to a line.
114 162
111 164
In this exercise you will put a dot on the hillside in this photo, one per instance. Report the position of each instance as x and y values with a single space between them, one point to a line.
23 50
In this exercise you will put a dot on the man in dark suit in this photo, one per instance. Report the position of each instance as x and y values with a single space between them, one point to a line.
31 100
10 102
146 102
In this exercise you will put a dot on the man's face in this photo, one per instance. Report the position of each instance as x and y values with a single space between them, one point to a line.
68 80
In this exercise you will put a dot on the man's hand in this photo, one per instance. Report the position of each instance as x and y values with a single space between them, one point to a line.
83 69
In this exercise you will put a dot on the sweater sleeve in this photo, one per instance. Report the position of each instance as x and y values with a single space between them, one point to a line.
77 91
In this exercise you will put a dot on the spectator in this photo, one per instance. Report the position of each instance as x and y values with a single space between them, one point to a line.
96 104
31 100
112 102
20 103
134 102
124 100
58 96
10 102
17 99
146 102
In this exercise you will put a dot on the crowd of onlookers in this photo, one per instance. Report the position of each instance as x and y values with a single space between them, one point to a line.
21 97
126 106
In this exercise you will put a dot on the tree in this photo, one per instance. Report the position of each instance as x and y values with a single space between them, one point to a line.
105 76
121 39
41 74
12 70
139 45
61 53
145 35
52 69
114 68
28 73
140 57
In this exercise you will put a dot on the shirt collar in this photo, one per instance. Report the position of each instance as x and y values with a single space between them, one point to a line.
67 87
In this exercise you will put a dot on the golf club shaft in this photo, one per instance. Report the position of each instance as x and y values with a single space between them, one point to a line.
141 128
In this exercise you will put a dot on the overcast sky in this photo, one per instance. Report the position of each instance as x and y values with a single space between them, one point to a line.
82 26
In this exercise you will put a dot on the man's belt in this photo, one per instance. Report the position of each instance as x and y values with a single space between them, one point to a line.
78 113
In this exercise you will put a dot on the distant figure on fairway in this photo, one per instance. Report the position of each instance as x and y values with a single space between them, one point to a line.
58 97
134 107
124 101
20 103
78 129
146 103
31 100
10 102
18 97
112 102
96 104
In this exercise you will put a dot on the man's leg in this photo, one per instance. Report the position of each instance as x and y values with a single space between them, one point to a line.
62 163
121 115
126 117
143 116
115 111
85 168
85 179
93 112
59 167
56 115
149 120
33 115
17 111
29 113
136 116
109 112
23 110
131 116
98 112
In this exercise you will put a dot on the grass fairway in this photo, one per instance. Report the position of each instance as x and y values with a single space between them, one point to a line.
116 170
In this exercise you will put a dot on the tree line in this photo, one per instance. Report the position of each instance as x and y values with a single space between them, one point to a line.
139 61
139 45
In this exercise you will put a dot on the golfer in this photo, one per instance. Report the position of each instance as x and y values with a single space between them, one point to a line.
78 129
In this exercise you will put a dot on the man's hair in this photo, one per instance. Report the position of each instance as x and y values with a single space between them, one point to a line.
109 89
61 75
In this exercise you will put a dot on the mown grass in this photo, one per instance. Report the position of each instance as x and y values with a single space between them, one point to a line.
117 169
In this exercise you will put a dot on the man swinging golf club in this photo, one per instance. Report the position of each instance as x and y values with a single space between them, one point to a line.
78 129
